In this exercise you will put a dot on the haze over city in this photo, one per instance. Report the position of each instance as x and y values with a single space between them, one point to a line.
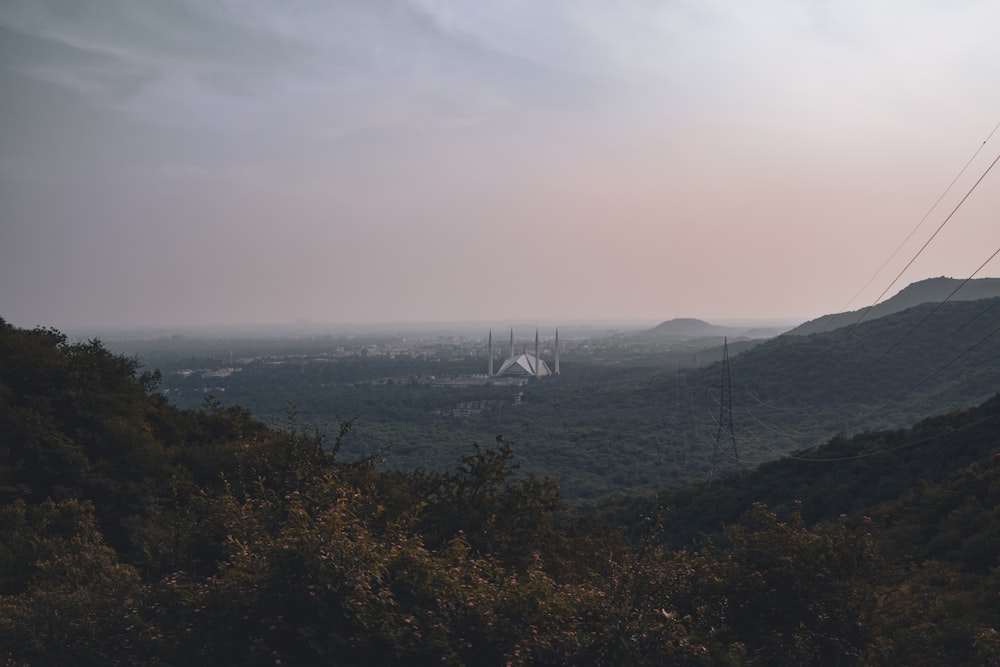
385 161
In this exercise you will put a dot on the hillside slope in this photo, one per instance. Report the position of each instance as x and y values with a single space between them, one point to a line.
788 393
135 533
843 476
932 290
611 428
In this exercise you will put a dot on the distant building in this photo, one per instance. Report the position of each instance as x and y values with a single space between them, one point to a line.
524 364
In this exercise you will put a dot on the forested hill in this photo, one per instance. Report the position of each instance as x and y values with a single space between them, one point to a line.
847 475
136 533
789 393
932 290
885 373
605 428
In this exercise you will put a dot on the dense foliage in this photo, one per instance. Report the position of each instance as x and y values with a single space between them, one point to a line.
847 475
136 533
629 420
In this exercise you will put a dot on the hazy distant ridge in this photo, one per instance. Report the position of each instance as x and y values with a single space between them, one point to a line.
689 327
932 290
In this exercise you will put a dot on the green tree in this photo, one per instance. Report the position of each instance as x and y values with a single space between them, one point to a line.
66 597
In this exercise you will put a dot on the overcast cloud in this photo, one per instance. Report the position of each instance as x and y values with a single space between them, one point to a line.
194 162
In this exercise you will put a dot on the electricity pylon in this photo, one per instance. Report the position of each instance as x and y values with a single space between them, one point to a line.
725 436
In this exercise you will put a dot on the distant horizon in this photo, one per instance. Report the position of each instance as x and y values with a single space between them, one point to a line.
521 327
300 325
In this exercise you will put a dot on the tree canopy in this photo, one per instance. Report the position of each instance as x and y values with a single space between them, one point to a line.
133 532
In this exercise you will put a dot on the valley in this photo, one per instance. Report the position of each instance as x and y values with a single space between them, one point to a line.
631 412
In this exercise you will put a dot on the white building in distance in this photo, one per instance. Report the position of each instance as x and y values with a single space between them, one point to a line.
524 364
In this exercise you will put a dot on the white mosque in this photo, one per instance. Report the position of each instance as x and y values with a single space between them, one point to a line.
524 364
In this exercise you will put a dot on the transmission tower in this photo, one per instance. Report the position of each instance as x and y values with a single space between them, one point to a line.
725 436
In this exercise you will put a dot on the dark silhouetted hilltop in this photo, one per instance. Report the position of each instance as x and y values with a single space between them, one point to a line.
689 327
932 290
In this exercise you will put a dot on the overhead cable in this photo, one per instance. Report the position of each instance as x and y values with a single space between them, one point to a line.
937 307
890 449
923 219
928 242
956 359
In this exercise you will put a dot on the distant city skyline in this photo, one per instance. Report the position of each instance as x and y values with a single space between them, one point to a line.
391 161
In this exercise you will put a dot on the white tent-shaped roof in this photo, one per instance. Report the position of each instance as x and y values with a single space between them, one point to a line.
525 364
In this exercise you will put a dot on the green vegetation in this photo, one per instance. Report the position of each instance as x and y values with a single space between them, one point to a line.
626 416
847 475
135 532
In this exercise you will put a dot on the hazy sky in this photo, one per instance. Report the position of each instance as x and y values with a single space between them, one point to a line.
224 161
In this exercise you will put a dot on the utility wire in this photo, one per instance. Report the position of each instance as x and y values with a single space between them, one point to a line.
771 406
923 219
928 242
993 304
887 450
908 333
936 308
967 350
786 434
762 443
868 310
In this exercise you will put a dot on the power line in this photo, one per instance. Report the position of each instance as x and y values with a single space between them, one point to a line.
793 436
993 304
936 308
923 219
784 434
887 450
725 399
928 242
967 350
724 423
